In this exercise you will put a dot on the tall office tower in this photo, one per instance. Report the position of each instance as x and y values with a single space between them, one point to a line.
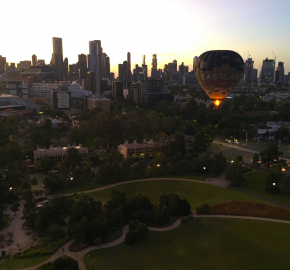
65 69
57 55
95 62
129 72
112 76
182 69
154 62
248 70
120 73
106 66
268 69
144 67
92 82
34 60
279 73
174 65
82 63
2 63
195 59
125 71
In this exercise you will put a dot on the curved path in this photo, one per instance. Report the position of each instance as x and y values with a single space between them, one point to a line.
78 256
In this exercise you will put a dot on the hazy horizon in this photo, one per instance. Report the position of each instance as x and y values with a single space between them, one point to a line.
171 29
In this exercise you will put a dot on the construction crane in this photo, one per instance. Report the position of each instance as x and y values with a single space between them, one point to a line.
274 55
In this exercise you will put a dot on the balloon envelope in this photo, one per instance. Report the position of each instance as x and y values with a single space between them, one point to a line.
218 72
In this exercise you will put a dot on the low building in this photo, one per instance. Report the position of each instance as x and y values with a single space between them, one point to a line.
58 154
136 149
100 102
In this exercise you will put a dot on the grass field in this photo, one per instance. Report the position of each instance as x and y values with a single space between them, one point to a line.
202 244
255 182
14 264
195 193
92 185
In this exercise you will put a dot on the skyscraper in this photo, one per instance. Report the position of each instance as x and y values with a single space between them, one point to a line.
279 73
106 66
268 69
129 72
34 60
95 62
2 63
144 67
248 71
57 55
154 62
65 69
174 65
82 63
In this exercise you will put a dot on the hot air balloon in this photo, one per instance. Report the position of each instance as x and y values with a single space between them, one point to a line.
218 72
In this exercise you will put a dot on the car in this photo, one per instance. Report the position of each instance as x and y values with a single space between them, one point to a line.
53 171
236 142
45 202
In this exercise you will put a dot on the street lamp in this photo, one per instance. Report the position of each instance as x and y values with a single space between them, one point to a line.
204 168
274 184
158 165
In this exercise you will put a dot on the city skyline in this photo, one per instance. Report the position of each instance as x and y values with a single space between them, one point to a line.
195 28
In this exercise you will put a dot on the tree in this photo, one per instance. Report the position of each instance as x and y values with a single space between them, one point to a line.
15 207
173 204
256 158
142 230
47 124
272 182
46 163
270 154
55 232
286 182
77 233
131 237
98 241
72 159
234 174
53 182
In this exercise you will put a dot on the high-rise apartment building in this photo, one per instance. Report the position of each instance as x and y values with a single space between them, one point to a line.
182 69
2 64
174 65
112 76
144 67
34 60
57 55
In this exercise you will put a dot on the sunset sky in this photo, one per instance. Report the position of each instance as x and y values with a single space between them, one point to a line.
172 29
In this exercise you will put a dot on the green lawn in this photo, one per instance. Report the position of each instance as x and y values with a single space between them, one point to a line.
192 177
202 244
73 190
255 182
14 264
195 193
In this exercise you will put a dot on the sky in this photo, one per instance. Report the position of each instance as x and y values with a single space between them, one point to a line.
172 29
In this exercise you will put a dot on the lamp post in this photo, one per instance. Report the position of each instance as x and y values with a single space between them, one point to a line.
72 183
274 184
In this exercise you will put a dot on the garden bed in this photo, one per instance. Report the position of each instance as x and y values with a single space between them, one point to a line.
244 208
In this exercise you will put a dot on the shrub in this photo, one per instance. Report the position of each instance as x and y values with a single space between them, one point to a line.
142 230
131 237
203 209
